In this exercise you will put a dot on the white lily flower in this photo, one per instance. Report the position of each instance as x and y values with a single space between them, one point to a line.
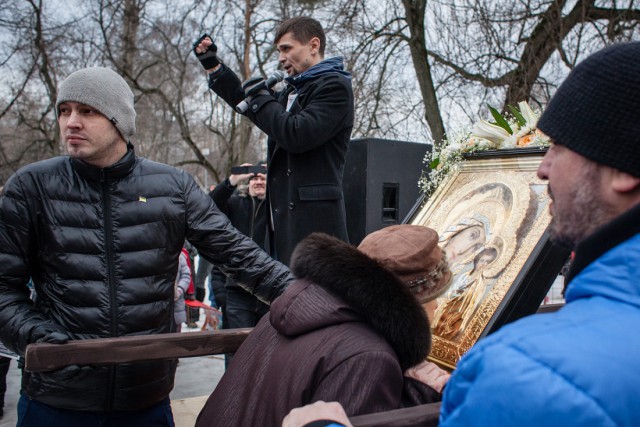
453 147
509 142
528 114
485 144
488 131
524 131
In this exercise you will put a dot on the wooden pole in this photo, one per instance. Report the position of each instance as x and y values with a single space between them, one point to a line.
106 351
422 415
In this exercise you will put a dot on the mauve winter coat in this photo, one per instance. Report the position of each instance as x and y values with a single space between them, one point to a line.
344 331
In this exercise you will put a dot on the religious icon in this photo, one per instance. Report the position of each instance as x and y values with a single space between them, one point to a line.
490 215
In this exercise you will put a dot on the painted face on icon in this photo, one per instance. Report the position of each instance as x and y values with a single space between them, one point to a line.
465 243
484 261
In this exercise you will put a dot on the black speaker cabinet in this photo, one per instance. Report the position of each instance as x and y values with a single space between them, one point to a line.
380 183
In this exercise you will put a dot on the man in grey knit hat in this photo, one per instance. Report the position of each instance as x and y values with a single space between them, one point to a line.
579 366
99 231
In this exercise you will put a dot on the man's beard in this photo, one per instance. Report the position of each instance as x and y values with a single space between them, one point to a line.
259 196
582 212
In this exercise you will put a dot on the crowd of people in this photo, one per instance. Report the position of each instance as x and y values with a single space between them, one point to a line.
339 330
579 366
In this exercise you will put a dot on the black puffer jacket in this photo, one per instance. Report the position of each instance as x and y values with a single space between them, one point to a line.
102 248
246 213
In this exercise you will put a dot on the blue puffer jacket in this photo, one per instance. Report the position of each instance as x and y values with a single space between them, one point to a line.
577 367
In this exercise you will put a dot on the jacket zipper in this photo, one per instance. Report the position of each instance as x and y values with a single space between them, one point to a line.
108 230
253 216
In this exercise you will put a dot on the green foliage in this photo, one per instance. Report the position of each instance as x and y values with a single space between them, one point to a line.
516 113
500 121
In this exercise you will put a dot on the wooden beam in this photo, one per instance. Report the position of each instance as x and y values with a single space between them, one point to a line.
549 308
105 351
421 415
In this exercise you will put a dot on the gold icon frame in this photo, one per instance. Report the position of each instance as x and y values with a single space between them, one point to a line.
499 197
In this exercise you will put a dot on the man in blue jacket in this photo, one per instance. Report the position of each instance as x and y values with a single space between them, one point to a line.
309 126
581 365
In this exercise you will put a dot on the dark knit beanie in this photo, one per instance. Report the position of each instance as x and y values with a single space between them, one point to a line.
596 111
106 91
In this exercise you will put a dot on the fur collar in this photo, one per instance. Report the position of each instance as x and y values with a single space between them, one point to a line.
373 291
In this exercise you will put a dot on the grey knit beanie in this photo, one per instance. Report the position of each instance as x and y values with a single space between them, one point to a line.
596 111
104 90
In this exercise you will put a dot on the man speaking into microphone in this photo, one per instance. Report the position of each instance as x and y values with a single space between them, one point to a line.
309 125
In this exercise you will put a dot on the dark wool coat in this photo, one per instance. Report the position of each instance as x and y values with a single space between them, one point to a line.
246 213
306 154
102 246
344 331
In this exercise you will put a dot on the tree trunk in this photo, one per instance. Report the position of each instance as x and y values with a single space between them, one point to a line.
244 136
545 39
130 28
414 11
48 79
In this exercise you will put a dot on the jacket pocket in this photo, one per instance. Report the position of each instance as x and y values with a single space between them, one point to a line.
309 193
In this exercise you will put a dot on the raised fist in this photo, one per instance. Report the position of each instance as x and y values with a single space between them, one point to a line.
205 50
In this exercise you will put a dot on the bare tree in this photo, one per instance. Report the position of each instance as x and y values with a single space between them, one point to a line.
154 54
415 18
419 67
32 57
465 53
515 49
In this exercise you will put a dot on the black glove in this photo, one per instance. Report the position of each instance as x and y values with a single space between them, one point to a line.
208 59
254 86
48 333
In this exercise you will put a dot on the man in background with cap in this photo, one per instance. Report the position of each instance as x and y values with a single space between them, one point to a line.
246 211
100 231
346 329
581 365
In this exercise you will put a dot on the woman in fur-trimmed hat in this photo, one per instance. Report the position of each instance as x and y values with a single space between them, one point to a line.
347 329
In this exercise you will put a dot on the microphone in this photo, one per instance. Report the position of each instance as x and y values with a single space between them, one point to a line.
274 78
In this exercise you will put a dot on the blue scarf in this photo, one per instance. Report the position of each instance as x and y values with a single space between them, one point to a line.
330 65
